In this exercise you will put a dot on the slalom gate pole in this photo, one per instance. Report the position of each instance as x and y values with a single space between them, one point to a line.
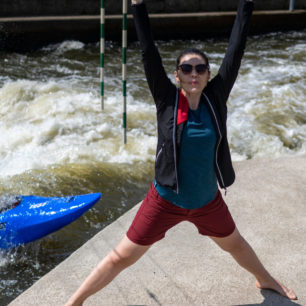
291 5
124 47
102 50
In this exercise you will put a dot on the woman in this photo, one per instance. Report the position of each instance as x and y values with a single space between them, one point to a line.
192 158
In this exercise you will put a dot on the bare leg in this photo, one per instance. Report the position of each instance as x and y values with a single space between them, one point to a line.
242 252
124 255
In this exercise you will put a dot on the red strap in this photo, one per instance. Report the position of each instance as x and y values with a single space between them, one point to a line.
182 112
15 204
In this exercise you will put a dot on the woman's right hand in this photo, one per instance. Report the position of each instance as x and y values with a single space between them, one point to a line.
136 1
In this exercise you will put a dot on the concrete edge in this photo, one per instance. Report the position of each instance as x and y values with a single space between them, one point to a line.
153 16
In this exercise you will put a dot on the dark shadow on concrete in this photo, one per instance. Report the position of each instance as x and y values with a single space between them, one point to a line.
272 299
154 297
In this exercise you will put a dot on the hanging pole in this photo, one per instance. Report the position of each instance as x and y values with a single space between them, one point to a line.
102 50
291 6
124 47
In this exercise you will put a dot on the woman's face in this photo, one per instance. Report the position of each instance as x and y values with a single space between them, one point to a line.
192 82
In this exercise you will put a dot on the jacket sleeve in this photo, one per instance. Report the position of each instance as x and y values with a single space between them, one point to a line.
158 81
229 68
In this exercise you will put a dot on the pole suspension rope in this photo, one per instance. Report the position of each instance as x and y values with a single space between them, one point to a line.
124 47
102 51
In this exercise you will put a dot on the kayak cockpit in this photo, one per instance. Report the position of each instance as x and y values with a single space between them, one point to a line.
8 202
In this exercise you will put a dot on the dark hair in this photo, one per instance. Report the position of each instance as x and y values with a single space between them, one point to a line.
192 51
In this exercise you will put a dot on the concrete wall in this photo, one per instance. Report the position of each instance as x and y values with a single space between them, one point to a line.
21 34
15 8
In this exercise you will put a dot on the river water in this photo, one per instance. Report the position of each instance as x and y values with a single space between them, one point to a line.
56 141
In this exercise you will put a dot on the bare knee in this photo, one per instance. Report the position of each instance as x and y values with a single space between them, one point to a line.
120 261
235 246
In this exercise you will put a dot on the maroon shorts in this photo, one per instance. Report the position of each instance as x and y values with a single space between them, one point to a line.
156 216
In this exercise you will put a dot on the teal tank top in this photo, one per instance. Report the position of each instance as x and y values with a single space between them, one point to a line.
196 175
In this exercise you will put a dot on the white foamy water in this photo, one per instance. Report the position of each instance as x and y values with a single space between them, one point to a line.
267 110
54 123
52 115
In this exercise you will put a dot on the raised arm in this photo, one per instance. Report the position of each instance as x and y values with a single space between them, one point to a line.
231 63
158 81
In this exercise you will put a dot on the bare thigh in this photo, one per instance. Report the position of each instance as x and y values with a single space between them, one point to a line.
231 242
128 252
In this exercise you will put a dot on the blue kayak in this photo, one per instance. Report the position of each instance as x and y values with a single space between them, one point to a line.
34 217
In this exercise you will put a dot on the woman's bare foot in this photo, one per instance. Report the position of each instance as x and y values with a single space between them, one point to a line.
278 287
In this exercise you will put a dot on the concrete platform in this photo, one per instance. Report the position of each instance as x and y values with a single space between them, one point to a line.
268 202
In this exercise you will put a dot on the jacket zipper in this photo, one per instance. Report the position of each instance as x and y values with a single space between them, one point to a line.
218 144
174 140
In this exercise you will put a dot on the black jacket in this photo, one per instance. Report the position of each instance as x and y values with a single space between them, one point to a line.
215 95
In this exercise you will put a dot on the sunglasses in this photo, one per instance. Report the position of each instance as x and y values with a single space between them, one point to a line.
187 68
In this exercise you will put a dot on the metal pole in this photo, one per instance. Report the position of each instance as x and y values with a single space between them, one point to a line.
124 46
102 50
291 6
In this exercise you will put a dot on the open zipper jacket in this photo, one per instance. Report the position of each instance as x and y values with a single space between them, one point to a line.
172 107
